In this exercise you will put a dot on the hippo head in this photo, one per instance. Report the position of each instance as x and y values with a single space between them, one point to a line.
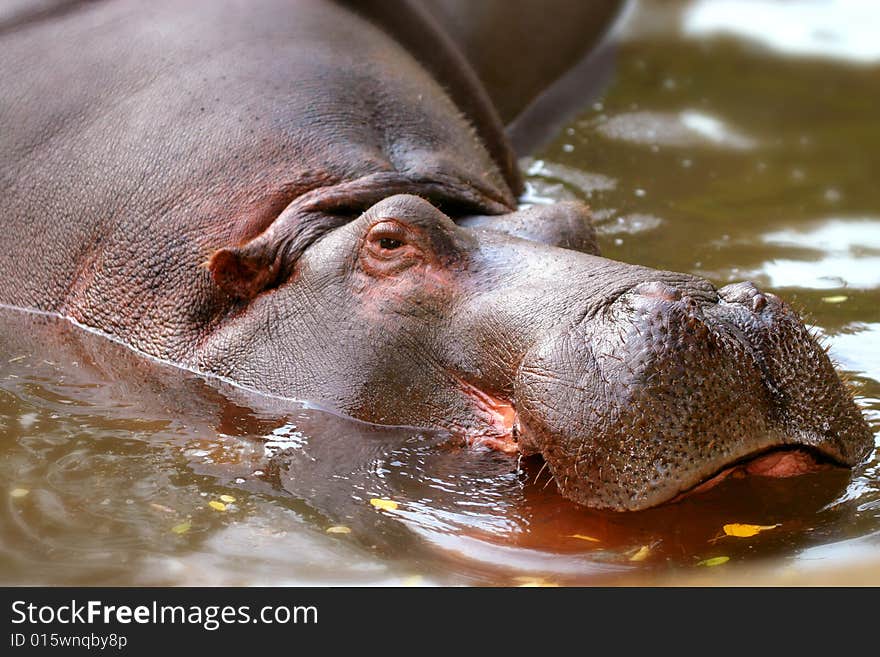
634 384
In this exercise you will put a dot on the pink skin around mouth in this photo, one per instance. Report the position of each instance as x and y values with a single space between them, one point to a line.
777 464
500 418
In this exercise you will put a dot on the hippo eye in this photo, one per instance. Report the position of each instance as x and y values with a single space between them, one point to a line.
388 236
389 244
390 247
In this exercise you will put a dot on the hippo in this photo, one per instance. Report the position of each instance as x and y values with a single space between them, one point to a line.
317 200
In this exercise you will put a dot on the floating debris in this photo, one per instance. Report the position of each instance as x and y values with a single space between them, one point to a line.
584 537
641 554
216 505
19 492
182 528
161 507
745 531
385 505
227 498
714 561
338 529
839 298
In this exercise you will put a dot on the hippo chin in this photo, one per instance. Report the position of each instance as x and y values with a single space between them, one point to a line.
318 201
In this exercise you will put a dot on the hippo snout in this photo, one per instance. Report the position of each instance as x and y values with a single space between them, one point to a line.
667 386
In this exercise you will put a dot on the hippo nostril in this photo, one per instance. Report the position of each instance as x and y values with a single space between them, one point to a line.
658 290
696 326
743 293
746 294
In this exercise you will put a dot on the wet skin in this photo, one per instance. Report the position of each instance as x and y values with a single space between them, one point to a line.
338 223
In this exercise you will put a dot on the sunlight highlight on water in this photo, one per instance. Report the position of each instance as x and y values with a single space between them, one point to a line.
839 29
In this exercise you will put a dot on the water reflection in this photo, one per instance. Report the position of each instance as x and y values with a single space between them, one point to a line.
688 128
839 29
856 347
835 253
582 183
835 235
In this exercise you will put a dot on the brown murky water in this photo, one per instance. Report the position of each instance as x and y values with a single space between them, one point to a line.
735 156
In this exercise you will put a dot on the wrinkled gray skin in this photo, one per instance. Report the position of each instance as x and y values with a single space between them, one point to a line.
321 204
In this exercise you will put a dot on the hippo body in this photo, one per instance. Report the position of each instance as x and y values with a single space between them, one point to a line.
317 200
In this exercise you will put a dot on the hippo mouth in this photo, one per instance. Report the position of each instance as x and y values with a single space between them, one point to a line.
665 393
776 463
780 461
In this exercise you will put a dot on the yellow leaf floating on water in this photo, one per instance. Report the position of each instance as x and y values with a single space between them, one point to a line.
182 528
641 554
227 498
714 561
19 492
835 299
338 529
217 506
584 537
385 505
744 531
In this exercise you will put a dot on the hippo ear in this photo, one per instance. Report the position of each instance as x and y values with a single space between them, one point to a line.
242 273
268 259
